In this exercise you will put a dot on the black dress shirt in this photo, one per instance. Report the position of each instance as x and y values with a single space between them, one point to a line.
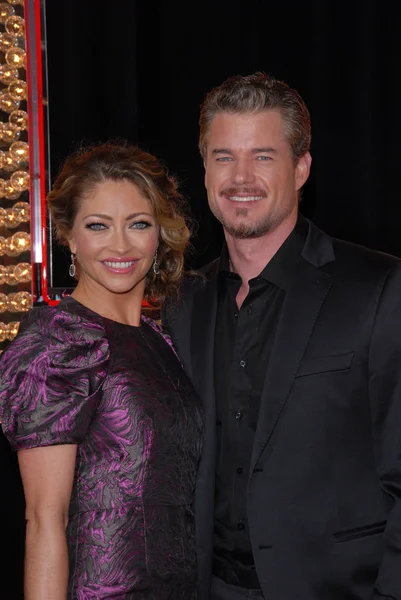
243 343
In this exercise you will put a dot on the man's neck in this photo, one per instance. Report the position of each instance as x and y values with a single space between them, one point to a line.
249 257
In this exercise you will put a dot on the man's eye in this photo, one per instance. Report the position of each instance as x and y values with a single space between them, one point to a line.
223 158
96 226
266 158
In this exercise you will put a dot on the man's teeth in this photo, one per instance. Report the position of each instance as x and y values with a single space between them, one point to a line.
245 198
119 265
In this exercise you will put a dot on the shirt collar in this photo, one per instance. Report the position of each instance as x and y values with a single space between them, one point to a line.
279 269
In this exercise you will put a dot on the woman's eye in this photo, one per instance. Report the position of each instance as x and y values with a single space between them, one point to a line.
141 225
96 226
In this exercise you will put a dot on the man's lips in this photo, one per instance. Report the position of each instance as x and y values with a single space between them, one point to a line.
237 198
243 195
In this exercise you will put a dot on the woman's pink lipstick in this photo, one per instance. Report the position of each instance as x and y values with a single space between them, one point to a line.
120 266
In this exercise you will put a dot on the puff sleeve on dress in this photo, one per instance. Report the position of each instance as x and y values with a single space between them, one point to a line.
50 378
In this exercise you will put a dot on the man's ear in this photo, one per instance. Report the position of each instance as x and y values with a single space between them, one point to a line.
302 170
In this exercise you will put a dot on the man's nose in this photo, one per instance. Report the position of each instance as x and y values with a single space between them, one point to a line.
243 172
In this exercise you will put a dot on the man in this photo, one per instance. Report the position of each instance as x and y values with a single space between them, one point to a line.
293 341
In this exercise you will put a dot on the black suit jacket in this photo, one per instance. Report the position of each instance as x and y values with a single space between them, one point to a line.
324 492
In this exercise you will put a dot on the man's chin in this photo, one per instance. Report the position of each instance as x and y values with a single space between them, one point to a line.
247 231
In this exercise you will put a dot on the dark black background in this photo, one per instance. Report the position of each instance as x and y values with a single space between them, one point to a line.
139 70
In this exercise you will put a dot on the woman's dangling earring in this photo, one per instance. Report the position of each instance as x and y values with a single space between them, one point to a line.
156 269
72 270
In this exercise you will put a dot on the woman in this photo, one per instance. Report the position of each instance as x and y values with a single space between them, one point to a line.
93 396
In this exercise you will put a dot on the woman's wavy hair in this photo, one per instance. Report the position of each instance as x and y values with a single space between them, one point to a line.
119 161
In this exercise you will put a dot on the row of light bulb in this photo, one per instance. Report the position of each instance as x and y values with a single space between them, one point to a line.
12 217
8 331
17 155
19 182
15 274
16 244
14 158
18 151
15 302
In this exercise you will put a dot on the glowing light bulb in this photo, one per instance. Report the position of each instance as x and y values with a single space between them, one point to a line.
13 302
8 74
7 41
15 57
6 11
23 301
12 219
10 133
9 162
19 118
24 211
20 151
2 245
15 26
9 277
3 331
11 193
18 243
17 89
8 102
3 303
12 329
20 181
15 2
23 272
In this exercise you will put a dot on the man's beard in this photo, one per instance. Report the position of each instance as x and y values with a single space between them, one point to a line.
256 229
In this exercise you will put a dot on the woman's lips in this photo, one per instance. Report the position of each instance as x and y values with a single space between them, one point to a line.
120 266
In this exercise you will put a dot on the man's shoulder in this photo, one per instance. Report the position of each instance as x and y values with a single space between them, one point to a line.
355 255
346 255
198 279
176 310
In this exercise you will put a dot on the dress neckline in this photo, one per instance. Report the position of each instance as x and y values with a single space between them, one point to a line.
72 300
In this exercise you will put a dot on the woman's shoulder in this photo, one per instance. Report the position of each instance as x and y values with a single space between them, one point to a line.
67 331
53 368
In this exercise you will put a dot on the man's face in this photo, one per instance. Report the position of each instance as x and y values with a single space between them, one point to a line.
250 176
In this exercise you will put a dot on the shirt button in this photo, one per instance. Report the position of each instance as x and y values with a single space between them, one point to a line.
242 363
236 315
240 470
238 415
240 526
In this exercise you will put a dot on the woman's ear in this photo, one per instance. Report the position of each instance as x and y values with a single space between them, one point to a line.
72 245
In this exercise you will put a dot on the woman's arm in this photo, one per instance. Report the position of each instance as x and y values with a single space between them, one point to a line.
47 476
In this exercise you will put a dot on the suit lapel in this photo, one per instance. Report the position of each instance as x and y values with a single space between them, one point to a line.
202 360
202 338
300 311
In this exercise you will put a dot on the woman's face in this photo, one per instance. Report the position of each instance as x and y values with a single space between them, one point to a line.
115 237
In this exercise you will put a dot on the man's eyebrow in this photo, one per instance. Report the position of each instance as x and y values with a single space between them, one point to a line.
221 151
267 150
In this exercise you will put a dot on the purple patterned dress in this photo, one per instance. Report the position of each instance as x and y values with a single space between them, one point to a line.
120 393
